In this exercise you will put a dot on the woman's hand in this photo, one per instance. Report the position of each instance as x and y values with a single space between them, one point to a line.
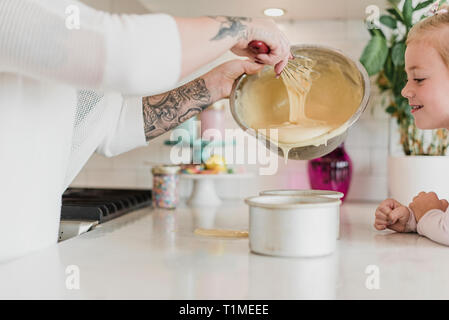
220 79
204 39
267 31
166 111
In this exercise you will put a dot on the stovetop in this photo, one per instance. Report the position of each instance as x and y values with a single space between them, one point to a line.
102 204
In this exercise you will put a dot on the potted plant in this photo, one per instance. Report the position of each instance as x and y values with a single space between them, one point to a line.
421 164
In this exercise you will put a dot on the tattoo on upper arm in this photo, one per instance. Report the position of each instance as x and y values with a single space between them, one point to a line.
168 110
232 27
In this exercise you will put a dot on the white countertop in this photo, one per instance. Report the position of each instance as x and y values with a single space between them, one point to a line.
153 254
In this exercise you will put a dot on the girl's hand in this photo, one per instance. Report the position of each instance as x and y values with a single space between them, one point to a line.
392 215
426 201
265 30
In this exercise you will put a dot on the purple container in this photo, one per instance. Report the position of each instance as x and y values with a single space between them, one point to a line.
331 172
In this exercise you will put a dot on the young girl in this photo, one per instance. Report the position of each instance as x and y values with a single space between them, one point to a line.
427 91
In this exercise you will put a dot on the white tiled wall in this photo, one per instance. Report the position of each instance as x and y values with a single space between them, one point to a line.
367 141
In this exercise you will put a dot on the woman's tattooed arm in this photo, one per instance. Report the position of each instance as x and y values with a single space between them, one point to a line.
163 112
232 27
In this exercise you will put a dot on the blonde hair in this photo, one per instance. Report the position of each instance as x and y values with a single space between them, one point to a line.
425 31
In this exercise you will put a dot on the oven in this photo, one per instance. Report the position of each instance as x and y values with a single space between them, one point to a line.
85 208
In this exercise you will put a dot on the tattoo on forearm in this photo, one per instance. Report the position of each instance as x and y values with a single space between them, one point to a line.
163 112
232 27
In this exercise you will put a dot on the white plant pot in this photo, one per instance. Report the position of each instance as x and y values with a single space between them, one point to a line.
409 175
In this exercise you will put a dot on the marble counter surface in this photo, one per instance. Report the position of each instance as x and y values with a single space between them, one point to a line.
154 254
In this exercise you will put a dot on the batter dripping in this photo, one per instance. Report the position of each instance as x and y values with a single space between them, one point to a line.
303 115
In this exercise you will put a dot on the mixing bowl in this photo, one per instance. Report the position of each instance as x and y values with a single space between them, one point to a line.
317 53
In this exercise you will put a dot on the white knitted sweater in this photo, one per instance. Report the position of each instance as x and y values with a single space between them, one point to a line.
66 92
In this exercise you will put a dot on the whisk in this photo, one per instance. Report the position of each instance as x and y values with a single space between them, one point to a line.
298 73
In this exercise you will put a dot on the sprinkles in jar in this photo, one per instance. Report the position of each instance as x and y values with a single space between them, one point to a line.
165 186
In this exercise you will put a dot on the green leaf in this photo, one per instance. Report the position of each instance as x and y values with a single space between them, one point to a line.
374 55
391 109
394 2
389 68
396 13
378 32
388 21
408 13
398 100
398 54
408 110
423 5
393 39
399 82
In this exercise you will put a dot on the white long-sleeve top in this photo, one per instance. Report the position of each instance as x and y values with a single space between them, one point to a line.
434 224
66 93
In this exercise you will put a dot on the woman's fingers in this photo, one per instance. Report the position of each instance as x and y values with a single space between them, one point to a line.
268 59
251 67
274 45
280 66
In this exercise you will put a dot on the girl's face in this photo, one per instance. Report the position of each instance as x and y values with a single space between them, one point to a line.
427 88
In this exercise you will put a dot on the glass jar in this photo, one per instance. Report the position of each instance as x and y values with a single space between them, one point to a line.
165 186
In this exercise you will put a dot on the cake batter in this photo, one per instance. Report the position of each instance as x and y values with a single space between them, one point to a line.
303 114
